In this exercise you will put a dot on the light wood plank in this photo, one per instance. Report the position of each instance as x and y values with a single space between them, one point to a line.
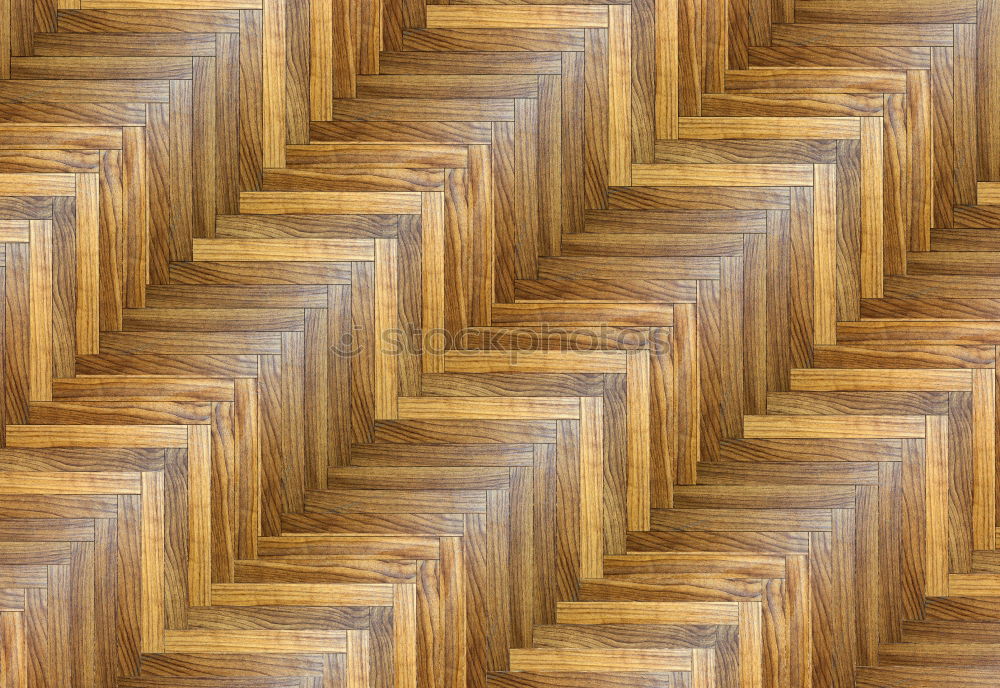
619 95
302 594
825 255
721 175
936 505
386 329
638 431
329 202
40 305
517 17
153 613
847 427
872 208
257 641
499 408
769 128
647 612
591 487
298 250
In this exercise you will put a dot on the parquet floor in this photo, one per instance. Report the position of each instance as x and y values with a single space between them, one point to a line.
376 344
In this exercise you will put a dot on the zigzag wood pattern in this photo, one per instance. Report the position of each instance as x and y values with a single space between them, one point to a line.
376 344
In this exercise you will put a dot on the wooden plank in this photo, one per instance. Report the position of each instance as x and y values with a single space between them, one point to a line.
647 612
591 487
918 123
983 460
872 208
893 11
152 587
500 408
328 203
667 68
619 95
600 660
833 426
825 254
513 17
386 315
274 131
722 175
305 250
769 128
40 307
936 497
301 594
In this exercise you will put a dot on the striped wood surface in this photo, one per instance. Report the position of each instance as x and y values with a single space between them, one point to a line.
376 344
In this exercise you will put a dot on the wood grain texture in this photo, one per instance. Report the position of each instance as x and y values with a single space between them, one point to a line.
392 344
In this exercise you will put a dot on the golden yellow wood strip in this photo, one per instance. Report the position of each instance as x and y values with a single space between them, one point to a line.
816 80
37 184
350 546
638 431
499 408
600 660
388 338
825 255
48 137
648 612
872 207
152 611
585 314
40 318
297 250
666 69
77 482
321 61
199 564
703 674
135 216
133 5
881 379
619 95
264 641
432 282
591 487
275 131
751 645
984 465
816 427
14 652
535 362
404 626
329 202
973 584
302 594
142 388
358 659
936 504
722 175
921 176
988 193
14 231
87 262
769 128
517 17
95 436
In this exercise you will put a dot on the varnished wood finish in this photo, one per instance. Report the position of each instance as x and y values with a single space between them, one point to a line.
394 344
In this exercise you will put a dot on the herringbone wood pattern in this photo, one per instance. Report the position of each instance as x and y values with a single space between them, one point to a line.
376 344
